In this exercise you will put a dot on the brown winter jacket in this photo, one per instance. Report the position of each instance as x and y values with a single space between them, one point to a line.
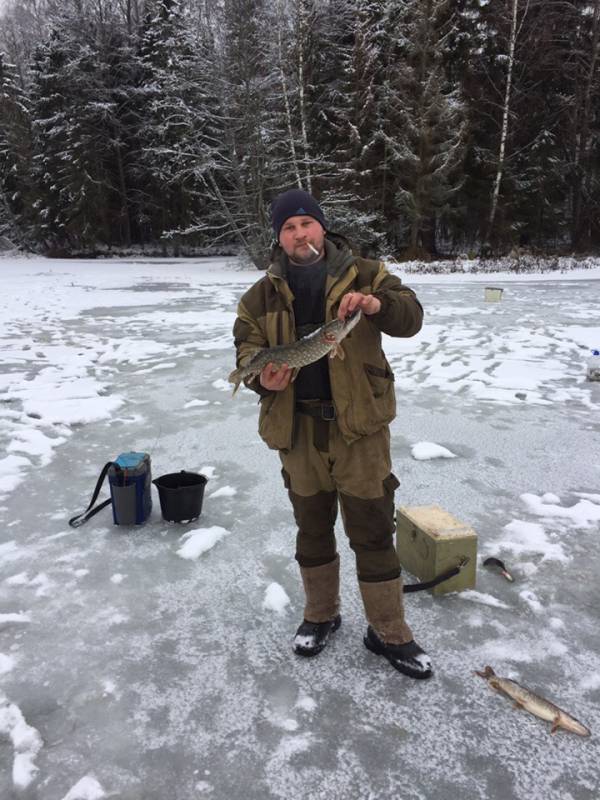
362 384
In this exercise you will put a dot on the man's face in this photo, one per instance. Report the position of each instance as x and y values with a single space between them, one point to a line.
294 236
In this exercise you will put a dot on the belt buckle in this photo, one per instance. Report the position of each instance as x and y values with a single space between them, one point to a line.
328 413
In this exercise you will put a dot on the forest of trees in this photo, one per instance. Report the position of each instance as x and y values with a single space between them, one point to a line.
424 127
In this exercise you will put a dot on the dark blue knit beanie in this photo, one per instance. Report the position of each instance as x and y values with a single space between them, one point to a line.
295 202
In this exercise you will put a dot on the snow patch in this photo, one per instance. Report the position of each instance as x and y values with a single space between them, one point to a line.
591 682
7 663
424 451
306 703
530 598
87 788
26 742
11 473
224 491
530 537
200 540
14 617
20 579
276 598
583 514
483 598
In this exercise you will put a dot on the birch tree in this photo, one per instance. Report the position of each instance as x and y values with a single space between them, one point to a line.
515 23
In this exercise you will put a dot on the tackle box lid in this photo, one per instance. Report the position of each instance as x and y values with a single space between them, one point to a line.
435 522
130 460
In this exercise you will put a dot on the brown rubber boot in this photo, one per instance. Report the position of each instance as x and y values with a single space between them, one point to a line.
384 609
322 590
388 634
321 612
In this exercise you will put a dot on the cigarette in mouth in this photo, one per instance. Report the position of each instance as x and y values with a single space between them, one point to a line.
314 249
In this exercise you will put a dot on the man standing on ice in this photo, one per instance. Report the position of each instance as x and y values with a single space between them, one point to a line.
330 425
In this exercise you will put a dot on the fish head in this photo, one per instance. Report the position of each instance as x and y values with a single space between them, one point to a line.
487 673
337 329
352 319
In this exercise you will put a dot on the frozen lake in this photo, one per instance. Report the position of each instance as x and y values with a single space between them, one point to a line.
128 671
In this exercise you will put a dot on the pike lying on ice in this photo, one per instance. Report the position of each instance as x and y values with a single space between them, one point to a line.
298 354
524 698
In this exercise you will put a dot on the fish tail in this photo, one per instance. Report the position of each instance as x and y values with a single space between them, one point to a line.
235 378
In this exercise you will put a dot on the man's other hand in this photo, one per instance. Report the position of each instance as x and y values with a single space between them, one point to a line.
367 303
274 379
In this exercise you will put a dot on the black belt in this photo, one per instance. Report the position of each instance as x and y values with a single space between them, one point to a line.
324 411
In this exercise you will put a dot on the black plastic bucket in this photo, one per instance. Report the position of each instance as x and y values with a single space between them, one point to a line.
180 495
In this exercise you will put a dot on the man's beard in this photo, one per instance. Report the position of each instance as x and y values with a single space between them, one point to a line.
304 256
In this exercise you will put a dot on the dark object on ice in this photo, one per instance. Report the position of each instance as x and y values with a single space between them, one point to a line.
408 658
311 637
129 477
497 564
521 395
407 588
181 495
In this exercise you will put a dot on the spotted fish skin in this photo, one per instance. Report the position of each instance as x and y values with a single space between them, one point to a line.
532 702
301 353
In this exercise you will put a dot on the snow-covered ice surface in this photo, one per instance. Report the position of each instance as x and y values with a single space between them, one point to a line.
128 671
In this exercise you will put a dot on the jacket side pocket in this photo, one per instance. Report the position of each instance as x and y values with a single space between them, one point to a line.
381 379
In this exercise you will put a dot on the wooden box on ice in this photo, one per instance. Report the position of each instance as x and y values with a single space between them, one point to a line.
430 541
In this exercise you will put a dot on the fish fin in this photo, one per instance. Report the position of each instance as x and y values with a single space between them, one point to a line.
517 705
337 351
235 388
555 724
295 372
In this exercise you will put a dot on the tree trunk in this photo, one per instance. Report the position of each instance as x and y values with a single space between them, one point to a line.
123 193
284 88
505 115
583 138
301 41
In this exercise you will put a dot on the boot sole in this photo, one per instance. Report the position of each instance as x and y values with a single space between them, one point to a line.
306 653
405 670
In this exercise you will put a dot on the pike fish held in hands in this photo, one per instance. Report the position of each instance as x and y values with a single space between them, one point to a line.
298 354
539 706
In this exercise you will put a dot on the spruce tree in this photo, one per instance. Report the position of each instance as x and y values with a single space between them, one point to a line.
80 82
583 128
243 188
425 126
15 154
50 123
357 193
